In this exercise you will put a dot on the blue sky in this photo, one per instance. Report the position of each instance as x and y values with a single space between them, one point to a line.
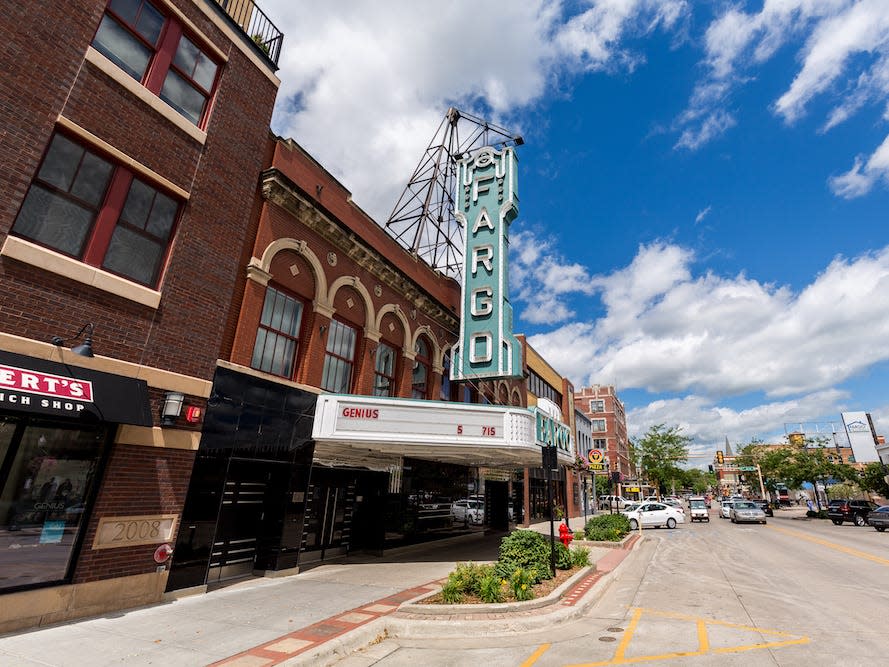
704 184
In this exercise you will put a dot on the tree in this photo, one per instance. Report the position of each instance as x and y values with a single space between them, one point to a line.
873 478
659 452
697 480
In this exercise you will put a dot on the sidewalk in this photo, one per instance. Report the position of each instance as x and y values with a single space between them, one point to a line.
265 621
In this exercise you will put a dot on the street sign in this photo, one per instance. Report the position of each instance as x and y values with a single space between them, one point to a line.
747 468
632 489
596 456
597 467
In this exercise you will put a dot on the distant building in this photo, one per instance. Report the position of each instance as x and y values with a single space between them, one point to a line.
608 425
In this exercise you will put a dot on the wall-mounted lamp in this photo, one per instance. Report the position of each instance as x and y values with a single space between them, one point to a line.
85 349
322 328
172 407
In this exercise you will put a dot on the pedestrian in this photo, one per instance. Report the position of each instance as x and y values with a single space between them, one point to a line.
810 505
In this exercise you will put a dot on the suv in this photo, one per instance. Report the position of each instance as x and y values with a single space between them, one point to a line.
616 502
855 511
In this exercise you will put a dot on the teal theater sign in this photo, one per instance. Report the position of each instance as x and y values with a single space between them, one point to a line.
549 432
486 202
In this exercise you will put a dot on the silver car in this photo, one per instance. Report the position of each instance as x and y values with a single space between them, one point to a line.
745 511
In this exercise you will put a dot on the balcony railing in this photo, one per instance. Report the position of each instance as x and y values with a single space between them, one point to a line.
256 26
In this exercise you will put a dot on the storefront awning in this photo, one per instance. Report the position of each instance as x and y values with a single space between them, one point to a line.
38 386
364 430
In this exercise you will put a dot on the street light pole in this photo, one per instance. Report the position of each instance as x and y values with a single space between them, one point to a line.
762 488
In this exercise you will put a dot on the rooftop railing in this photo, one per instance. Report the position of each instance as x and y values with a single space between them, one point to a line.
256 26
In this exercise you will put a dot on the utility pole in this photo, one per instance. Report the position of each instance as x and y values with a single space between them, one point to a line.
762 488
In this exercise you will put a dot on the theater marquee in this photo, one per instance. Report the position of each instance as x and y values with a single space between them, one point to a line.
487 202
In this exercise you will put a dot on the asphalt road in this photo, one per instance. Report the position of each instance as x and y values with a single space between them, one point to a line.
793 592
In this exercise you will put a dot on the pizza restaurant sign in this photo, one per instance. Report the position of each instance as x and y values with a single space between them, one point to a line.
24 389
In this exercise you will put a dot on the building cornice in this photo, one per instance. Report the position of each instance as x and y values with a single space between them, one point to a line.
281 191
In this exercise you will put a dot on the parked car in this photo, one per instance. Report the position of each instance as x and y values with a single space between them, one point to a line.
879 518
847 509
724 508
672 502
468 511
615 502
746 511
653 515
697 509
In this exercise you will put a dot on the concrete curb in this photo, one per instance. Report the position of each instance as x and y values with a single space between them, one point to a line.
405 625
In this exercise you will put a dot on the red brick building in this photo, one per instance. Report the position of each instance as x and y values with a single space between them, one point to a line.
609 425
132 136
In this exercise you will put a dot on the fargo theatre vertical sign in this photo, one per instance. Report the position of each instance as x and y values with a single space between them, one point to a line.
487 202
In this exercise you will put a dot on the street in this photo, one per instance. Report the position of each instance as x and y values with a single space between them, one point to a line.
793 592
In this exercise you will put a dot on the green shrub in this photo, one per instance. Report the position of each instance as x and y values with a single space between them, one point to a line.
580 556
521 582
526 550
607 527
491 587
466 579
468 576
579 535
563 557
451 592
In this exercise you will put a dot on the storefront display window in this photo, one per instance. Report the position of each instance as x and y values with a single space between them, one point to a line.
47 472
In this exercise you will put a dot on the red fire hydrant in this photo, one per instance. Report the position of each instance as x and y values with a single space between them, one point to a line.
565 535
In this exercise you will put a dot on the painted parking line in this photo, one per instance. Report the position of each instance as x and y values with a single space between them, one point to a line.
704 646
534 657
831 545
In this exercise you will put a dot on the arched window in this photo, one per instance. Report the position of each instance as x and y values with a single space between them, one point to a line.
277 338
385 366
420 378
339 358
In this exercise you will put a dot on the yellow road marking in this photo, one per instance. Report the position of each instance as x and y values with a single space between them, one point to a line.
703 640
534 657
831 545
628 635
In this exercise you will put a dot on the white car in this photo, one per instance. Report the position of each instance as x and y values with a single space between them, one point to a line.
615 502
655 514
468 511
725 509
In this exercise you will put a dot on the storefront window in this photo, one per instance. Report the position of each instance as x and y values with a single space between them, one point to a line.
47 472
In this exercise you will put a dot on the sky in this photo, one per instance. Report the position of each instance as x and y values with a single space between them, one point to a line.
704 184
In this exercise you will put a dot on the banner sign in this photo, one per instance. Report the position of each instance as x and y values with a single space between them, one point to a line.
486 203
861 436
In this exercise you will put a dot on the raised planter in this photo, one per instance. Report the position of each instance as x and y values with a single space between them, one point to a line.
417 606
622 544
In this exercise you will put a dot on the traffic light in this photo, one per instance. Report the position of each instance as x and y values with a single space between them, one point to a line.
710 468
720 457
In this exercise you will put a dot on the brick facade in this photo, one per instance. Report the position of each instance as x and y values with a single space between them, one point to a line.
170 334
615 433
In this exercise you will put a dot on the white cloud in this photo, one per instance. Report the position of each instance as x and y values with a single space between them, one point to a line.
834 30
667 330
860 179
862 27
365 85
541 279
702 214
709 423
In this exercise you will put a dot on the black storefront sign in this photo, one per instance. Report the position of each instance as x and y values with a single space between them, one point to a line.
49 388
